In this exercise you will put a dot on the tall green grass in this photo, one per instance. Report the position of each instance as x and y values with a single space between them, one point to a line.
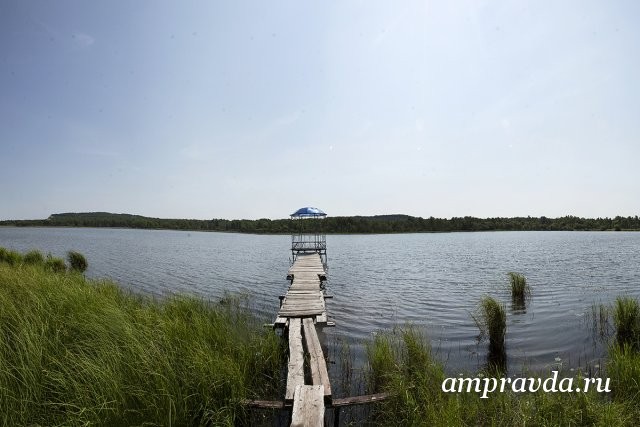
401 363
626 319
81 352
77 261
491 319
520 290
10 257
33 257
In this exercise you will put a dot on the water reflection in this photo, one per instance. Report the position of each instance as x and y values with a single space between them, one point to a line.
518 305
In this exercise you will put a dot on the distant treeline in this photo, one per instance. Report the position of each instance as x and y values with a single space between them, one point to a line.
336 224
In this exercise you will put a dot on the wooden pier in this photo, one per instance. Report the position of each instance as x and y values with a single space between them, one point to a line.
301 310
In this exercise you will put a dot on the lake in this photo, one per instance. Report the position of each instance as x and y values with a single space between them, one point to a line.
433 281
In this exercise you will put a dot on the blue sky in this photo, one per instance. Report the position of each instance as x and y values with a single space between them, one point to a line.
253 109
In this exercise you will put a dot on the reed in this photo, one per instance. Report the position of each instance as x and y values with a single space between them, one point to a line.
10 257
33 257
55 264
520 290
77 261
626 319
491 319
600 318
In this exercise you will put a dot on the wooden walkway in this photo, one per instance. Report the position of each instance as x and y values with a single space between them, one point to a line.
302 309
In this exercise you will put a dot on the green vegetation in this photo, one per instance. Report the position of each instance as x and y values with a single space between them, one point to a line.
10 257
80 352
600 320
623 368
346 224
492 322
77 261
626 319
400 362
520 290
34 257
54 264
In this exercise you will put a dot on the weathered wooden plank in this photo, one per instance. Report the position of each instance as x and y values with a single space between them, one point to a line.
280 322
321 319
336 403
286 312
317 362
308 302
264 404
308 406
360 400
295 373
296 308
303 302
314 292
302 306
300 313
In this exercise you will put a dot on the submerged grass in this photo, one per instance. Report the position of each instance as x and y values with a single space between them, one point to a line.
80 352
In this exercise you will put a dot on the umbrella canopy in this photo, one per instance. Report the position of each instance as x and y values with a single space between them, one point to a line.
308 212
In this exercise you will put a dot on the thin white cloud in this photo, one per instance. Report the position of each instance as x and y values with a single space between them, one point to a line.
83 40
287 119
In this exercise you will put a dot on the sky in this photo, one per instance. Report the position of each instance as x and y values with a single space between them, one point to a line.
239 109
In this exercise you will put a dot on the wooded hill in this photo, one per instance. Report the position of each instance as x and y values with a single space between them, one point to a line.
335 224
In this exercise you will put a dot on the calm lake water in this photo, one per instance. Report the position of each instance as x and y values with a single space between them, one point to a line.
434 281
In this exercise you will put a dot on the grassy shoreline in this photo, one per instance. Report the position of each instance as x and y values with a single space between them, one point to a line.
75 351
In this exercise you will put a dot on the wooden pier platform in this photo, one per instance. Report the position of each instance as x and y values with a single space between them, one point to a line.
301 310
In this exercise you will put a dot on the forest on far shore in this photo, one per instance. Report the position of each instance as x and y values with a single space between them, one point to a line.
335 224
